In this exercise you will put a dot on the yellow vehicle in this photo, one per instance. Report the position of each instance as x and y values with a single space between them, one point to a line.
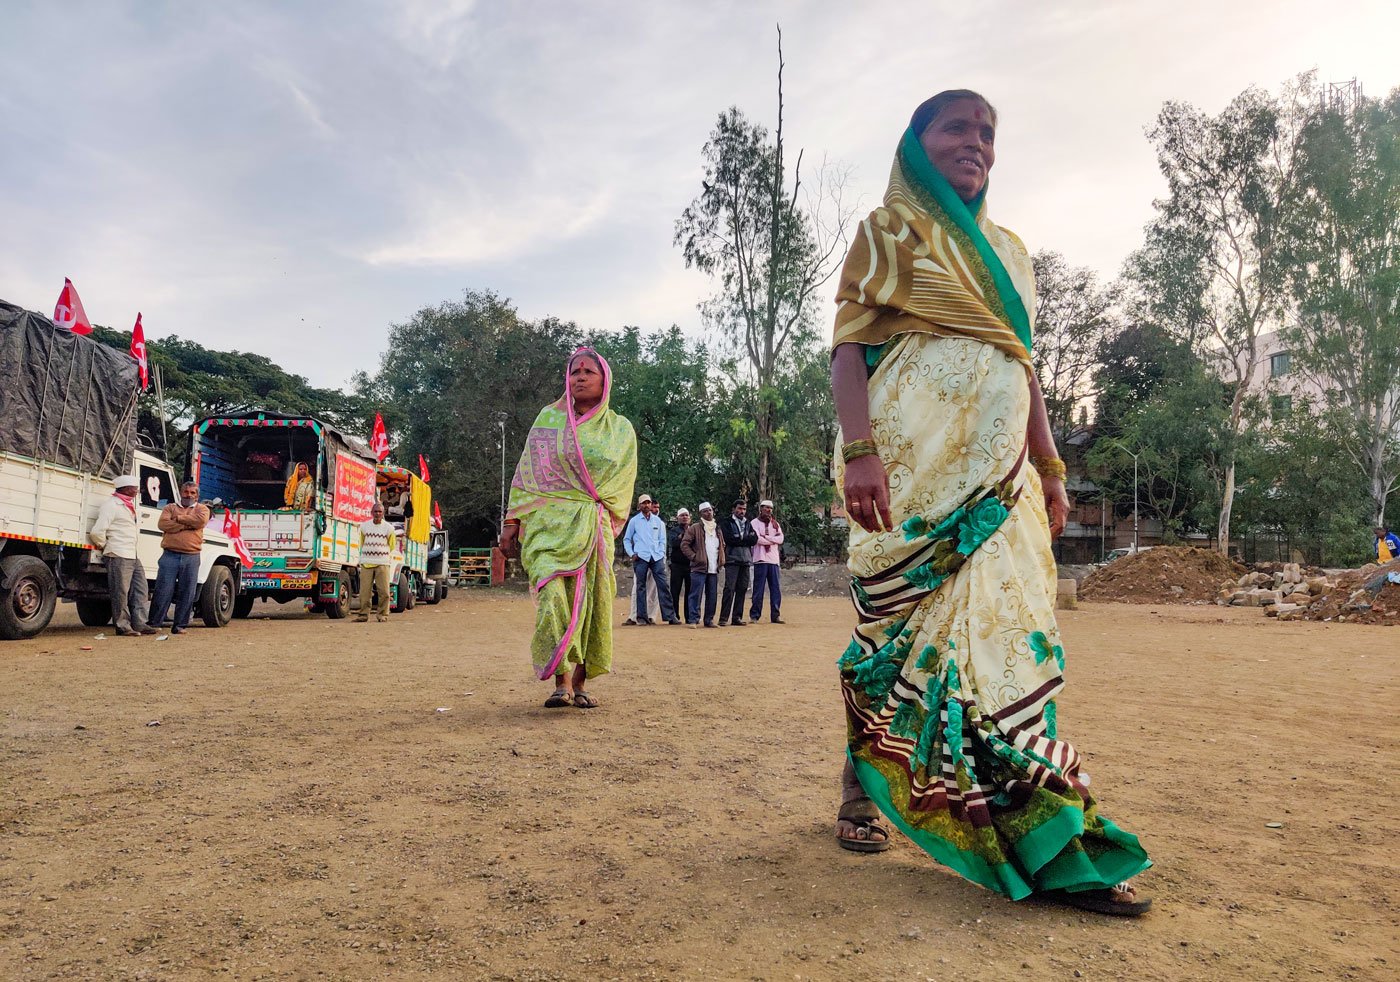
408 504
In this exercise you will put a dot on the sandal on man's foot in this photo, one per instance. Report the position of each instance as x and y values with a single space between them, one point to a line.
1115 900
863 816
562 697
584 701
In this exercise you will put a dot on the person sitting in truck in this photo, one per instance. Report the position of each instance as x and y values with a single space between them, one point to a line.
300 491
396 504
115 533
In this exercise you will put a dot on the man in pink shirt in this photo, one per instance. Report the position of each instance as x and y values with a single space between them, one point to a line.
766 559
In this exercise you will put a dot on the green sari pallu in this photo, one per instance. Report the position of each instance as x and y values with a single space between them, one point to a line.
571 492
951 674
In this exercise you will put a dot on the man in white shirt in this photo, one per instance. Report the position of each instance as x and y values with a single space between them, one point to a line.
115 533
377 543
645 543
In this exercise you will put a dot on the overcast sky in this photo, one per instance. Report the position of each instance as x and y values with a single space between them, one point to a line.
291 178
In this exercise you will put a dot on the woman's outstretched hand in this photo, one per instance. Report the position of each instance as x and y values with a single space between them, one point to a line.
868 493
1056 504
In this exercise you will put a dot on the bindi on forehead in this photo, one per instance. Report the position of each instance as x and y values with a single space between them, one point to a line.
979 114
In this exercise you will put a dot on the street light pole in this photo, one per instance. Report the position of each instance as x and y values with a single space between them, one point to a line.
501 422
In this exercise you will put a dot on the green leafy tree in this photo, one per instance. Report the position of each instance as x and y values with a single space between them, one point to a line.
455 378
1214 267
769 254
1346 279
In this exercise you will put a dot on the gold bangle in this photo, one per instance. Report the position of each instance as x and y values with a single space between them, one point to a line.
1049 467
858 448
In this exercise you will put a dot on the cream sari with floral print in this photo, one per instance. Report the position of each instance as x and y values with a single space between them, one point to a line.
951 674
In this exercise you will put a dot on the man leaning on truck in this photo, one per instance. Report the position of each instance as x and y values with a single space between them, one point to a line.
115 533
182 538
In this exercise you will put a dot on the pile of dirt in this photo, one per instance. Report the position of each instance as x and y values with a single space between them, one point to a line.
1369 595
1164 574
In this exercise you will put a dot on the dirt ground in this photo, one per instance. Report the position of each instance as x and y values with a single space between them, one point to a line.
346 801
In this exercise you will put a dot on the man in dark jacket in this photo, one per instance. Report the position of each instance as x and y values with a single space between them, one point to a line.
739 540
680 565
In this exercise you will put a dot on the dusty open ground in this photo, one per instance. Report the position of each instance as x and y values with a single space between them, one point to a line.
305 810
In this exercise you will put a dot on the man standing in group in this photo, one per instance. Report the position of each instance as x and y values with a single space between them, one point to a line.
766 558
644 503
680 565
645 543
739 540
703 545
115 533
177 575
377 543
1387 545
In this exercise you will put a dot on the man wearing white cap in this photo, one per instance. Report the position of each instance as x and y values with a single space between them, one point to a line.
703 545
645 543
766 560
115 533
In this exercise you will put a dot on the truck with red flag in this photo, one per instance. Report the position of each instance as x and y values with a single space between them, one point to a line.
297 490
67 428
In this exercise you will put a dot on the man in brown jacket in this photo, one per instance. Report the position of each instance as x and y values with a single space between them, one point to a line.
177 574
703 545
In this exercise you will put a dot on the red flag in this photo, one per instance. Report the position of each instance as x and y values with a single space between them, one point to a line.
69 313
235 536
379 440
437 515
423 468
138 351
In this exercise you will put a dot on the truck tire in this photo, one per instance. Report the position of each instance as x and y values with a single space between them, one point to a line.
94 613
341 607
29 597
411 599
243 605
217 598
441 591
430 592
402 597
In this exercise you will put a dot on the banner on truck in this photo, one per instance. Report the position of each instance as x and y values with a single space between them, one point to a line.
354 489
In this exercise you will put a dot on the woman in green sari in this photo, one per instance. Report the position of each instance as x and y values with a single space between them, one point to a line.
568 502
955 490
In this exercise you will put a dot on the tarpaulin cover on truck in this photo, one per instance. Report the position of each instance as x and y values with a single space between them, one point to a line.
66 398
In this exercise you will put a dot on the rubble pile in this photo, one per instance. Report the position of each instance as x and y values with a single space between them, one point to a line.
1163 574
1369 595
1280 588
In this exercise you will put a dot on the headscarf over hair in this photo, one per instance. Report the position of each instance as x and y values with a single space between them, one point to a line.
930 108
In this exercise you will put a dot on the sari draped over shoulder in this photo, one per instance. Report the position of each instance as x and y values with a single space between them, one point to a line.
952 671
571 492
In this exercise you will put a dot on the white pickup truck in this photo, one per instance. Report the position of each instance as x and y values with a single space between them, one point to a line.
45 513
65 430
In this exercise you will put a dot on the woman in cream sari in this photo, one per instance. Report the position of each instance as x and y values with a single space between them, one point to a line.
568 502
955 489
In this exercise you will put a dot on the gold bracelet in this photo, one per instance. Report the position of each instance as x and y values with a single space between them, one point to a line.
858 448
1049 467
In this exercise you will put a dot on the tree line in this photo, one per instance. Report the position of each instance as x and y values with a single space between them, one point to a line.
1281 214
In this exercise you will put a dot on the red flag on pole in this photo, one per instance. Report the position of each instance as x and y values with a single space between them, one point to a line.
423 468
379 440
437 515
138 351
235 537
69 313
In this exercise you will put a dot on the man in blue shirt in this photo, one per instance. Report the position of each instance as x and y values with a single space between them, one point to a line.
645 542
